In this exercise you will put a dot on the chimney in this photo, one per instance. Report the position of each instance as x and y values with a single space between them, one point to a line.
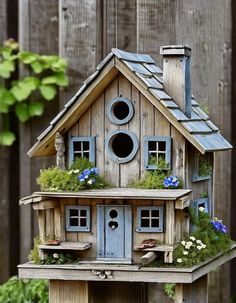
176 75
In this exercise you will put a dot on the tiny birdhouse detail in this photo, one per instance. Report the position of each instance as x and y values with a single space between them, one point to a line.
133 122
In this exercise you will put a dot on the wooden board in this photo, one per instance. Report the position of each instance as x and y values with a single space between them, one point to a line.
67 246
121 193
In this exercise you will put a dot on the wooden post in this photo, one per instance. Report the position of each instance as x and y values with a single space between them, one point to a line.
68 291
60 148
193 293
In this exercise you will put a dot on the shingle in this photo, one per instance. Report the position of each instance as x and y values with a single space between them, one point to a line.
92 77
196 127
104 61
160 94
47 130
194 103
212 142
76 96
150 82
200 113
61 113
132 57
212 125
159 78
138 68
178 114
153 68
169 104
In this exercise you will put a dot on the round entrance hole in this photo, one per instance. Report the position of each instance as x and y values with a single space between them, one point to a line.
120 110
113 213
122 146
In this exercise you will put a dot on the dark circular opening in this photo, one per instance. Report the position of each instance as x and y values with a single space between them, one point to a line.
113 224
113 214
121 110
122 145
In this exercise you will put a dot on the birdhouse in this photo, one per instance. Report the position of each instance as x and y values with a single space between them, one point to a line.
128 118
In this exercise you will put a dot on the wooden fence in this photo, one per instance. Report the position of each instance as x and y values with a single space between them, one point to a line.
84 31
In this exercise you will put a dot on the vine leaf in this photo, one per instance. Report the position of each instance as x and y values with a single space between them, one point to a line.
37 67
7 138
22 112
35 109
48 91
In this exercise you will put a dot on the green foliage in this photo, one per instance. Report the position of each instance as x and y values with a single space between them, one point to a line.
55 179
25 97
152 180
59 258
34 253
205 167
169 289
22 291
160 163
203 194
205 242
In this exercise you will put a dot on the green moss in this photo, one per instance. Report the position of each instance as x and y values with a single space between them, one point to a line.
160 163
56 179
152 180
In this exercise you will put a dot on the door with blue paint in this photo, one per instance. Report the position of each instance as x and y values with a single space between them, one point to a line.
114 232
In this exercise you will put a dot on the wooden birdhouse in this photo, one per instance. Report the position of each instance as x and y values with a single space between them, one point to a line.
128 118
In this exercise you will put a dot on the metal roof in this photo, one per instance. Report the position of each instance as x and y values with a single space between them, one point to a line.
199 126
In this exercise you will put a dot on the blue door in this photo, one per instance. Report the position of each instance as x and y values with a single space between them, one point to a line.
114 232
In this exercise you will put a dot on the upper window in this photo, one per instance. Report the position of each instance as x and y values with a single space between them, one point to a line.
77 218
120 110
121 146
82 147
157 152
150 219
202 167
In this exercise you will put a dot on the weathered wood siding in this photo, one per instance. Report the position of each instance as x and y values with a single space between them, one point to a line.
147 121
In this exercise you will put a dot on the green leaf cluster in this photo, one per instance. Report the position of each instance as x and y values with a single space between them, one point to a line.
56 179
34 253
169 289
214 242
59 258
205 167
26 96
22 291
160 163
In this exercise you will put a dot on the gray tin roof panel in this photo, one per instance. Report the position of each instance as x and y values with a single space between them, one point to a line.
151 82
153 68
138 68
160 94
196 127
212 142
141 58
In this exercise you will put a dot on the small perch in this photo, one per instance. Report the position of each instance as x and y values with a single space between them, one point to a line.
148 257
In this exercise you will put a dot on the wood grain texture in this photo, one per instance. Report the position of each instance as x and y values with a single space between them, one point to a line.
32 37
68 291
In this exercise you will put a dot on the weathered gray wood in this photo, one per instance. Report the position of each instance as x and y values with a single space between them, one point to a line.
148 257
66 246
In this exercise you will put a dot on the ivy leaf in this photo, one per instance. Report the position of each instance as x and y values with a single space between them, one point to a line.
31 82
7 138
6 52
50 80
22 112
6 67
59 66
4 108
62 79
35 109
20 92
48 91
28 57
37 67
7 97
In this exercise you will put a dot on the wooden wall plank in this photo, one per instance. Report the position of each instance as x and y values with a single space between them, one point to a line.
78 32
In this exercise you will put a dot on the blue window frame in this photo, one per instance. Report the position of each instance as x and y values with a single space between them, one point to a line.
77 218
195 204
150 219
82 147
157 149
202 167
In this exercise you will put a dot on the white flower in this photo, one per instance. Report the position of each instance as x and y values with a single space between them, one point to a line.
70 172
204 246
183 243
185 252
192 238
179 260
201 209
199 247
55 256
90 181
189 243
199 242
76 171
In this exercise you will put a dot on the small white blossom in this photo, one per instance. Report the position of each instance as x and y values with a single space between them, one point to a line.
70 172
192 238
179 260
199 247
189 243
76 171
204 246
55 256
199 242
201 209
90 182
185 252
183 242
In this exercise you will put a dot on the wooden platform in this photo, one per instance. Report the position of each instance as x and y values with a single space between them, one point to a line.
111 193
130 273
66 246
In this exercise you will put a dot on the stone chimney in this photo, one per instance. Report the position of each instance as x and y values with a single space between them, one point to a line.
176 75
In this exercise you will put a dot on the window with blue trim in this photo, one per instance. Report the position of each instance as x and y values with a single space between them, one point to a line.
157 152
195 204
202 167
150 219
82 147
77 218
